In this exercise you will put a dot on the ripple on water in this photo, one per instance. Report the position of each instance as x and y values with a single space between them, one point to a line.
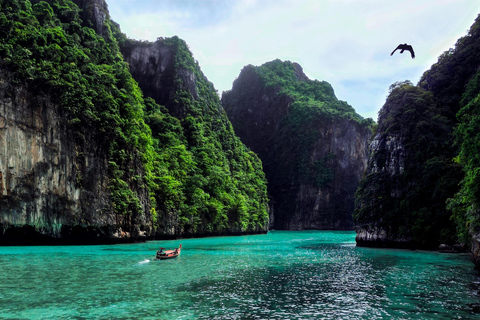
282 275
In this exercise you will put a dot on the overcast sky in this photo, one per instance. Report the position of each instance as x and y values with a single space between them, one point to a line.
344 42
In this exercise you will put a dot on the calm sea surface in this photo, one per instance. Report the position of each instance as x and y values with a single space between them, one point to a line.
281 275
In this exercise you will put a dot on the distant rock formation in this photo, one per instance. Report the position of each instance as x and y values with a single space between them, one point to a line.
314 154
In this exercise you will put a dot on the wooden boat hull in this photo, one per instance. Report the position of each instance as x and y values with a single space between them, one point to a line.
169 254
165 257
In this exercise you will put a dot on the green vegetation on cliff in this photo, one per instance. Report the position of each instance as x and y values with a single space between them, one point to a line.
434 127
415 175
462 64
199 175
311 98
313 106
312 145
203 170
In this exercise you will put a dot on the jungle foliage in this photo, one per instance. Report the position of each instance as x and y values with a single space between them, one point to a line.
198 173
310 97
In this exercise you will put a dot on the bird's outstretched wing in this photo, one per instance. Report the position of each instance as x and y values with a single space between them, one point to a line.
410 48
395 50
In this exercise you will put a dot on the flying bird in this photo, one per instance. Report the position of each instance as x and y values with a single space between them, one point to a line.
404 47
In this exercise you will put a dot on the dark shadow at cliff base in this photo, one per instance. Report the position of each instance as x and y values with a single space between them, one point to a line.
27 235
312 229
456 248
205 235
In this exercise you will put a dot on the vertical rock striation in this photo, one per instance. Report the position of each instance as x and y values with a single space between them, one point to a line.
55 176
51 189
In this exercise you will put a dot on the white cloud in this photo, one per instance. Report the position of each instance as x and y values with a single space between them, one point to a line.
344 42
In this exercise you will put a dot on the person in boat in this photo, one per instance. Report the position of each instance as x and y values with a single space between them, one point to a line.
160 252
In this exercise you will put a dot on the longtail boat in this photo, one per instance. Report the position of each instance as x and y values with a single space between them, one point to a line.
168 254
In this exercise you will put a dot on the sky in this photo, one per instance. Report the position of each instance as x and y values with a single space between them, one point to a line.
344 42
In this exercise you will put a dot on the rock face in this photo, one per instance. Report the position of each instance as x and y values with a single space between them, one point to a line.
48 192
152 65
94 13
387 160
167 73
85 157
313 161
410 175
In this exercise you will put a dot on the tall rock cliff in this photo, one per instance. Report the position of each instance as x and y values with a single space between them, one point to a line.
312 145
421 187
51 187
55 178
227 176
86 158
410 176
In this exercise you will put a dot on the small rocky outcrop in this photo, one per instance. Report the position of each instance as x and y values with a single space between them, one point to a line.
475 251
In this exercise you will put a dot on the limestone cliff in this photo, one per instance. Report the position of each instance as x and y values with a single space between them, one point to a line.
85 157
314 153
56 149
410 174
421 188
387 164
167 73
53 190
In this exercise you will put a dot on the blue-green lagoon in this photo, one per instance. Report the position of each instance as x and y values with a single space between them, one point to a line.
281 275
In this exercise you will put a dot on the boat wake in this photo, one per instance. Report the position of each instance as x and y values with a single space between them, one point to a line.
144 261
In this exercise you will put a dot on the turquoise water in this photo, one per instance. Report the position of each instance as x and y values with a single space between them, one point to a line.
281 275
